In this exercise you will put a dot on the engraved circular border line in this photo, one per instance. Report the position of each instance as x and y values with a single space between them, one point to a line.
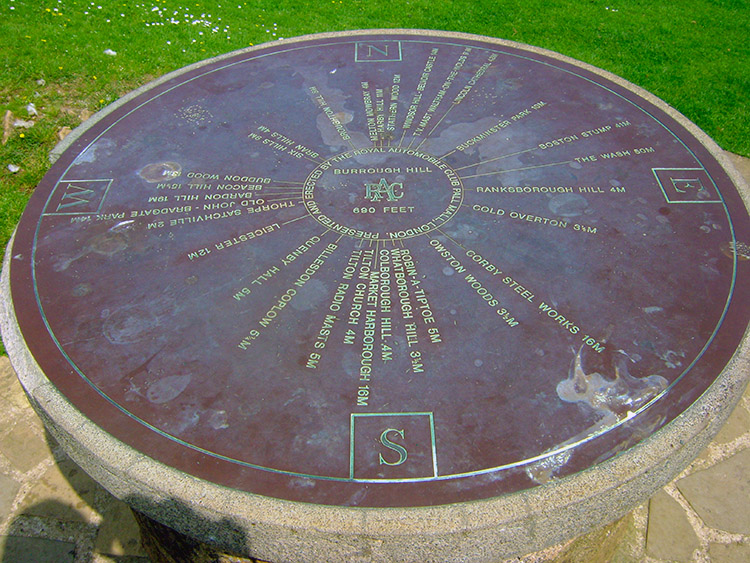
311 183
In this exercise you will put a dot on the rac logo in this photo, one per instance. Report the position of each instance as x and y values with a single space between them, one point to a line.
376 192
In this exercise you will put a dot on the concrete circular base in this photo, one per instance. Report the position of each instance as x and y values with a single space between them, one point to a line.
259 526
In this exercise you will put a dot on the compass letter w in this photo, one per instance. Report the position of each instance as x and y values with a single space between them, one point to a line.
74 196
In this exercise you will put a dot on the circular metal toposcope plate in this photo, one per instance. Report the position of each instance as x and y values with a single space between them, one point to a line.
413 293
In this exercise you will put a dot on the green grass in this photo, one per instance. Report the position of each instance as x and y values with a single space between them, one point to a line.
693 54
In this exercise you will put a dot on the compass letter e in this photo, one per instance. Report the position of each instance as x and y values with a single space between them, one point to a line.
376 192
398 448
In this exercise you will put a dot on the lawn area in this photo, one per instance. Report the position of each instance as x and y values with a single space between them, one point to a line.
70 58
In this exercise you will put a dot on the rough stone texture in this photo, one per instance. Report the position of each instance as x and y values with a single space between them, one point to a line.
33 450
36 550
720 494
63 492
8 490
118 534
670 535
732 553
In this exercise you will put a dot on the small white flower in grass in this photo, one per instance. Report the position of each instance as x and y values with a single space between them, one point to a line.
13 168
110 52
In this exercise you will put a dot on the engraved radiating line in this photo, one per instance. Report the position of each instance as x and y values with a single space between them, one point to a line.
517 169
403 136
316 162
236 281
413 138
297 219
410 99
436 126
491 159
292 183
295 187
465 53
297 197
450 238
289 190
313 160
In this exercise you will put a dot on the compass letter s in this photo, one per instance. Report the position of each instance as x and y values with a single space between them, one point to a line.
398 448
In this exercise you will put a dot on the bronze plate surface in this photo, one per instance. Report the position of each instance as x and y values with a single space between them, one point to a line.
384 270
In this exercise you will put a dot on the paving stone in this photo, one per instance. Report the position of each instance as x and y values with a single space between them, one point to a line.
17 549
731 553
24 446
670 535
720 494
737 425
609 544
64 492
118 533
8 490
10 389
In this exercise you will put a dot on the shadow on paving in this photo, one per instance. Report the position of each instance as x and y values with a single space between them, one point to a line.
20 545
68 517
165 545
56 531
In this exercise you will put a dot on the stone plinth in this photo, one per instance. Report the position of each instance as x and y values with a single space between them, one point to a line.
386 295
